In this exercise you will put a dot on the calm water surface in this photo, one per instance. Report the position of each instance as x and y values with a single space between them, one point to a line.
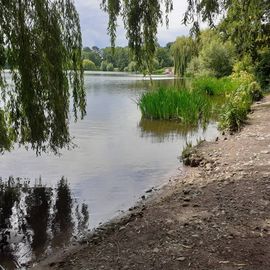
118 155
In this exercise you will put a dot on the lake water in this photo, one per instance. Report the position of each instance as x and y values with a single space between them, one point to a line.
118 155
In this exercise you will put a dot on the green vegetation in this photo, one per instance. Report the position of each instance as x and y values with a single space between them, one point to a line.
245 24
93 54
120 59
182 50
235 110
212 56
89 65
40 42
187 152
234 113
195 105
171 104
213 86
262 69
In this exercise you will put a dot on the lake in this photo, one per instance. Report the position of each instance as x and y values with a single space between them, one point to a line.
118 156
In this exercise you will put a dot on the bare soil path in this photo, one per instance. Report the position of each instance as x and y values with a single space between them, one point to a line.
216 216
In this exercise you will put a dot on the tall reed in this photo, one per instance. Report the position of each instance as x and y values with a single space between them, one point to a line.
171 104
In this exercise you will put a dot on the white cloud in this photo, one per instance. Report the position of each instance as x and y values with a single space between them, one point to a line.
94 24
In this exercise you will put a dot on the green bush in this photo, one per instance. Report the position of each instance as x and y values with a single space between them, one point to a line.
245 64
88 65
132 67
243 77
110 67
234 113
217 57
103 65
171 104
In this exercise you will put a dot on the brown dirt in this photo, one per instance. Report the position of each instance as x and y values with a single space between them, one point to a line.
216 216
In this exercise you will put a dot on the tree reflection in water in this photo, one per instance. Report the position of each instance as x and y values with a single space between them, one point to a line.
35 219
62 224
38 212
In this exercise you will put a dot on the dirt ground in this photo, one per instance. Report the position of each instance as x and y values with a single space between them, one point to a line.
215 216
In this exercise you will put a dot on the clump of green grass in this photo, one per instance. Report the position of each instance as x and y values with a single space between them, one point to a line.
213 86
171 104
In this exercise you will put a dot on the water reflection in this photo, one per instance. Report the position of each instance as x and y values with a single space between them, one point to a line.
161 131
34 220
38 203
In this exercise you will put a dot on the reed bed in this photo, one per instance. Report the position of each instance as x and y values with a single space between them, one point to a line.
183 105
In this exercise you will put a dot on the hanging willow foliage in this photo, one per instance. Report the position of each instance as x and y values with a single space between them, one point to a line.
182 50
40 42
141 19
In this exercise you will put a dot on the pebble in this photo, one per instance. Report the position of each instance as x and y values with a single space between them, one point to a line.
181 259
208 166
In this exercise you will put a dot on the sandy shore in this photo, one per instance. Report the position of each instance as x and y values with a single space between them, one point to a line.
214 216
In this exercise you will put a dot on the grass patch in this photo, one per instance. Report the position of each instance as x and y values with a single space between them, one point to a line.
213 86
172 104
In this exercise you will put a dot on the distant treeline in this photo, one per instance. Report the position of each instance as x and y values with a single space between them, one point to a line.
120 59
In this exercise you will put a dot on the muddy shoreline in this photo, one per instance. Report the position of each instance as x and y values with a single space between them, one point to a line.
214 216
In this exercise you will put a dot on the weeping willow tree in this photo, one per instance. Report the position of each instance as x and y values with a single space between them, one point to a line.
40 42
183 49
141 19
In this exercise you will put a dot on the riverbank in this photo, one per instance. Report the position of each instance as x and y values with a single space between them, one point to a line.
215 216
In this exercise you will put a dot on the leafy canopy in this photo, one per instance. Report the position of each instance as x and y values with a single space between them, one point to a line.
40 42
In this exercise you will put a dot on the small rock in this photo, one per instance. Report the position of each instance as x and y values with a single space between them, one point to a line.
171 232
155 250
208 166
186 191
181 259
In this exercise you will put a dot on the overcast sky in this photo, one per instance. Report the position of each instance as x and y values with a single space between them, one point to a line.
94 24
